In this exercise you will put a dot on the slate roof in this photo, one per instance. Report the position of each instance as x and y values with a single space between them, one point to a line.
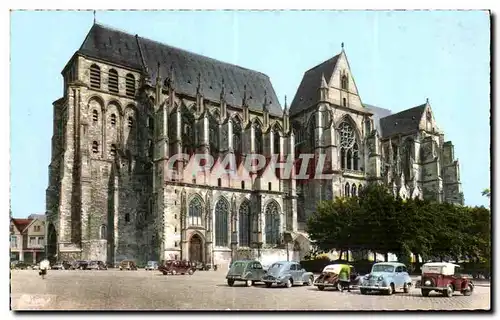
125 49
402 122
378 113
308 91
38 216
21 224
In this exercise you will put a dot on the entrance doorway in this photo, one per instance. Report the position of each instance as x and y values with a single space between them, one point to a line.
196 249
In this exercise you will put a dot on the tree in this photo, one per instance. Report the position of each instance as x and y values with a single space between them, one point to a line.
378 221
331 225
486 192
378 211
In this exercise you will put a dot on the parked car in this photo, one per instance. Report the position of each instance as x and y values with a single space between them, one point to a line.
201 266
127 265
329 277
445 278
248 271
80 265
97 265
174 267
152 265
61 265
386 277
20 265
287 273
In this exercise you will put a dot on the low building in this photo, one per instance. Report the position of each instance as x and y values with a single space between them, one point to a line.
27 238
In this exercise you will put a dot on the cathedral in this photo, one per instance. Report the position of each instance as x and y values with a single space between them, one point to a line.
130 104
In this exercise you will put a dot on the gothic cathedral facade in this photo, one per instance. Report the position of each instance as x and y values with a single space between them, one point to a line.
130 104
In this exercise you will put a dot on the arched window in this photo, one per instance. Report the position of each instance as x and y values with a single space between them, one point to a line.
360 187
237 136
195 212
258 138
344 82
272 217
95 147
342 158
354 192
221 223
355 152
347 190
276 142
188 133
95 76
349 151
113 119
113 81
130 85
244 220
311 134
103 232
344 102
349 159
214 136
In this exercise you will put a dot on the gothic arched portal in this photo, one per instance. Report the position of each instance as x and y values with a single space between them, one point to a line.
196 248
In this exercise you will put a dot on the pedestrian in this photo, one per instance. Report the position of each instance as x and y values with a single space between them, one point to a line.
345 278
44 266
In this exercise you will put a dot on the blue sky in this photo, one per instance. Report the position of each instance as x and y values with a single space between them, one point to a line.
398 59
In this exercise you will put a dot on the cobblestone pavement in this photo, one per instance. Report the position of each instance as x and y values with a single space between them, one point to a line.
205 290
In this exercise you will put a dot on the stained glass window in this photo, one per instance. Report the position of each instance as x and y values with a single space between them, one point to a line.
272 224
221 223
349 150
195 212
244 224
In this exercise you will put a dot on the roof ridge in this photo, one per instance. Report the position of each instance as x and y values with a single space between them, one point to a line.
405 110
324 62
176 48
203 56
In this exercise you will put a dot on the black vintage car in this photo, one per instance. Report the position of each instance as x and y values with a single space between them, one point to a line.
80 265
127 265
174 267
61 265
96 265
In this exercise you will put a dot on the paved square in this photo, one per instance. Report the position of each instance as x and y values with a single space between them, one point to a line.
205 290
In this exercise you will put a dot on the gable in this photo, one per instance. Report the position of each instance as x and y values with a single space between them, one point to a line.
144 55
308 93
342 68
427 121
36 223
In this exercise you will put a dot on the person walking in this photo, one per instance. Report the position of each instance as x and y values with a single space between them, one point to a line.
44 266
345 278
